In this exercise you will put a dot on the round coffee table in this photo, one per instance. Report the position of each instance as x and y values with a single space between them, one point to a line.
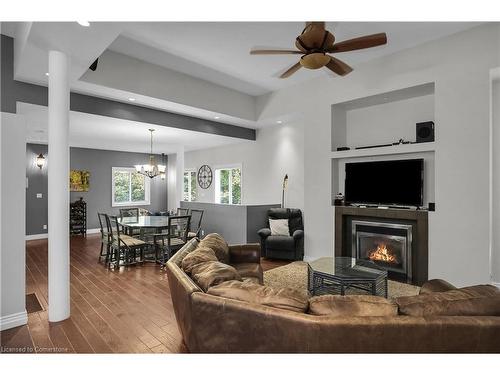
326 276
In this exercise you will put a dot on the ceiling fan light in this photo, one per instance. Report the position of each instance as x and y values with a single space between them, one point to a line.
314 60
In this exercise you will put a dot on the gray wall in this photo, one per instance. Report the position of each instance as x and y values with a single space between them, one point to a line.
98 198
236 223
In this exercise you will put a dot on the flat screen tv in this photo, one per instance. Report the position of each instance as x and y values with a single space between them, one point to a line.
392 183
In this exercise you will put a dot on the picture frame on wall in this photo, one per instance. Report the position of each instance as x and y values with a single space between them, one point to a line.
79 180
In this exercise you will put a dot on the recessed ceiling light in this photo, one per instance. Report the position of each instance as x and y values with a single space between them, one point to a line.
47 74
217 117
279 122
84 23
131 99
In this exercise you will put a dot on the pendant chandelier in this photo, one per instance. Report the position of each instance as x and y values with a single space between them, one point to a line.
152 169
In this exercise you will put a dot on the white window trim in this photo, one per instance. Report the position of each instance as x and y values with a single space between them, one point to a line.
217 183
147 189
188 170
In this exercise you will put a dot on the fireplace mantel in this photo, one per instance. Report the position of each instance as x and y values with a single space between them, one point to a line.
420 256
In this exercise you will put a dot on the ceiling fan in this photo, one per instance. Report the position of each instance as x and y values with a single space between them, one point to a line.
314 44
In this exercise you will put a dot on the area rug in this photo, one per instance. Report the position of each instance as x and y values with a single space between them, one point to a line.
294 275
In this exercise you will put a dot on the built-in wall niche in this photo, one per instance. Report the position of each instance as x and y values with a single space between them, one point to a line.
383 118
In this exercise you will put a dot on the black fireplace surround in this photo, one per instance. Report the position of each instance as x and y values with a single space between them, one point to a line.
394 239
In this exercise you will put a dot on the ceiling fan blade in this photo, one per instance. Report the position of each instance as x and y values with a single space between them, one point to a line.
274 52
291 70
338 67
362 42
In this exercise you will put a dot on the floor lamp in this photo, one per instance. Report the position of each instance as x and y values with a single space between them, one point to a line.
285 183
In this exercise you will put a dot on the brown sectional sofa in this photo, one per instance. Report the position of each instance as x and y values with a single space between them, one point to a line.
212 323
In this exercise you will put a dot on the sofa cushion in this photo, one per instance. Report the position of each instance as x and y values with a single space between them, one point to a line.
253 270
185 250
280 243
283 298
217 243
436 285
470 301
353 305
212 273
251 279
200 255
279 227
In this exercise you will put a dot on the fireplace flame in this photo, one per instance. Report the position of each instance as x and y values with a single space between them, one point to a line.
382 254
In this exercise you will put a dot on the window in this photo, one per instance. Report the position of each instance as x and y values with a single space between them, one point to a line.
129 188
228 185
190 192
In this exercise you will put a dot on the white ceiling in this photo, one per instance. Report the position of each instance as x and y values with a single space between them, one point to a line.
219 51
107 133
216 52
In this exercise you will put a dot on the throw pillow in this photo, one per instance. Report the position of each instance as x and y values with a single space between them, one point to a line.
200 255
217 243
185 250
279 227
212 273
283 298
354 305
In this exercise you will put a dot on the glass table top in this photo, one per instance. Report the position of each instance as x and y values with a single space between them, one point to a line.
347 267
145 221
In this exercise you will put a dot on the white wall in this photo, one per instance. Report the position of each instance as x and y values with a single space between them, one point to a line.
278 150
172 202
386 123
495 256
12 221
459 229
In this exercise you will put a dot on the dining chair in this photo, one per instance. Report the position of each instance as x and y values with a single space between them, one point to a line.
195 224
182 211
168 243
124 248
105 237
144 212
132 215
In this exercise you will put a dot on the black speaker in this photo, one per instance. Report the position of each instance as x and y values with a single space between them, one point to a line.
432 206
425 131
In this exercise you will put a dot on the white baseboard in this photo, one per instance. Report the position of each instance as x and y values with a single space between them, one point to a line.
43 236
40 236
497 284
13 320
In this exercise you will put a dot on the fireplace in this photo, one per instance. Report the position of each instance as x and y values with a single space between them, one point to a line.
389 245
403 232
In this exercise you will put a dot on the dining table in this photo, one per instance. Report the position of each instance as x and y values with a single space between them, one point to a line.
158 223
155 224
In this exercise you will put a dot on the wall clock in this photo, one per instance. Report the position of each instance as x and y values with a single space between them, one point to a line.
204 177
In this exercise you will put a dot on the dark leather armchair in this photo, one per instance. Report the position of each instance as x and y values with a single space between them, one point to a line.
284 247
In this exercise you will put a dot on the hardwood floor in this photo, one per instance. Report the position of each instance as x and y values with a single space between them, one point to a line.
128 310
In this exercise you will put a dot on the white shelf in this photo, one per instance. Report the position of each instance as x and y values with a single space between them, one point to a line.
386 150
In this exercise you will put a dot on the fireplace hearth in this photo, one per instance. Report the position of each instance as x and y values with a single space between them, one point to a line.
395 239
388 245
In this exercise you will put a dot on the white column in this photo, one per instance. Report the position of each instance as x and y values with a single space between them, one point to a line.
179 175
58 187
